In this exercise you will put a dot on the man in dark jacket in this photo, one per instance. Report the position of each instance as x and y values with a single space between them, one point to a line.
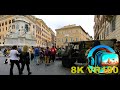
47 56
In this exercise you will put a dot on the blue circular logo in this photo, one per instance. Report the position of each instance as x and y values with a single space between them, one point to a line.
99 47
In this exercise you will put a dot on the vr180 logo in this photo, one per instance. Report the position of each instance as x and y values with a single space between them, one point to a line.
104 57
107 70
101 59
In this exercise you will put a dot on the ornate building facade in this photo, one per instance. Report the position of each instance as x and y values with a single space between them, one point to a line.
107 27
37 30
71 33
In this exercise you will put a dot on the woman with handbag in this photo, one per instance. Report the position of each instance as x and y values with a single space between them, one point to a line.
25 59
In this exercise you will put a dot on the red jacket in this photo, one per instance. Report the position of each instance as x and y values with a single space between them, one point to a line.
53 50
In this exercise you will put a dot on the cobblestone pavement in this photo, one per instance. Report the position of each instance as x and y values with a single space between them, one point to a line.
53 69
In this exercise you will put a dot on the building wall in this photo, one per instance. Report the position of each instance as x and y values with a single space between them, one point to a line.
38 35
46 35
43 35
105 30
37 27
116 32
53 43
70 34
4 28
5 24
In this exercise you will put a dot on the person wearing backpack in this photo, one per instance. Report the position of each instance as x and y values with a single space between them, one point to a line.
47 56
53 53
42 54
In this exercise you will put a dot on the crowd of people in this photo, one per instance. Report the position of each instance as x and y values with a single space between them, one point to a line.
23 56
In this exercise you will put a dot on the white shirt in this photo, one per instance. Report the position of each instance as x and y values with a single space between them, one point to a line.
13 55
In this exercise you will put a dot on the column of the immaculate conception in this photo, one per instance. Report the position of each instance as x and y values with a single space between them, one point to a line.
21 36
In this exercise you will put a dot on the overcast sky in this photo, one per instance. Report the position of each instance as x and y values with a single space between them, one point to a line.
58 21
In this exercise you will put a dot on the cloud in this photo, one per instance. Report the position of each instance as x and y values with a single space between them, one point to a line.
58 21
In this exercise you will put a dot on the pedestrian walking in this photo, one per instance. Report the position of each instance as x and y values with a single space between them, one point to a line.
19 51
14 59
25 59
47 56
37 56
31 53
42 55
53 53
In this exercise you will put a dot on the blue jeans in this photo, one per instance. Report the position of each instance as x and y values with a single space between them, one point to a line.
37 59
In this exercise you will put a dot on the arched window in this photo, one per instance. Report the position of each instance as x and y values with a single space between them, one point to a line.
2 24
9 21
6 23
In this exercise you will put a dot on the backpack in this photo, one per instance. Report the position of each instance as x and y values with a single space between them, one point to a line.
53 51
47 52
